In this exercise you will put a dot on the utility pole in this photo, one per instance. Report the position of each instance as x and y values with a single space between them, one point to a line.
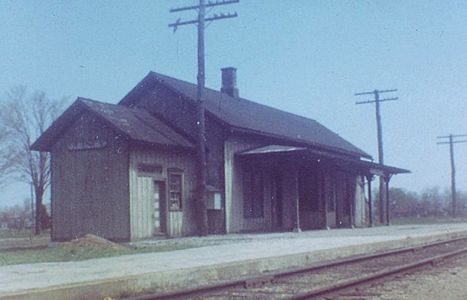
379 129
201 129
451 141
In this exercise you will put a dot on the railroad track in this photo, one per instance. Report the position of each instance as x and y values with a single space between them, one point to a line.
328 279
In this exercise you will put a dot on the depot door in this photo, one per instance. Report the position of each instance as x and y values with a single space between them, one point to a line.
160 208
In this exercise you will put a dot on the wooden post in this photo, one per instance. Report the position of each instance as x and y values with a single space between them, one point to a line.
370 200
201 141
451 143
297 204
325 196
453 177
388 213
351 198
200 204
380 156
379 127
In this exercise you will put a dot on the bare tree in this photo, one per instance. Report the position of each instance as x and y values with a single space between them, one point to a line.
25 117
6 155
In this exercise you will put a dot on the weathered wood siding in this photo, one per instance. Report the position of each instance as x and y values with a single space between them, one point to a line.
290 196
360 203
330 196
235 221
89 191
182 114
272 173
215 176
179 222
312 175
344 190
254 224
345 197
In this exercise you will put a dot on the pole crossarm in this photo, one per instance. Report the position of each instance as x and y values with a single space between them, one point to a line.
387 91
179 22
209 4
451 139
454 142
453 135
380 100
375 92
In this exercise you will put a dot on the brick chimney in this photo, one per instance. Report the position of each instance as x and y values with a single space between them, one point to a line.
229 81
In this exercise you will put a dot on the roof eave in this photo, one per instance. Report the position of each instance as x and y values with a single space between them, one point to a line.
290 139
126 135
47 139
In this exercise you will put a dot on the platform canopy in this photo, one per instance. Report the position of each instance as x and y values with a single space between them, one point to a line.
362 167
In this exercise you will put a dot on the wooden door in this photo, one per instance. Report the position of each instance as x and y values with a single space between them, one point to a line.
342 201
160 207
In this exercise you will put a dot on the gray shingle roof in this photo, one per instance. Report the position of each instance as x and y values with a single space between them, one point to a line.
245 114
135 124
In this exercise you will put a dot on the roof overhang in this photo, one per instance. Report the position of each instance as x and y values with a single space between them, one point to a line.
134 124
303 153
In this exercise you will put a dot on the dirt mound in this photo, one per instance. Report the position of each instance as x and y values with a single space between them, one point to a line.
90 240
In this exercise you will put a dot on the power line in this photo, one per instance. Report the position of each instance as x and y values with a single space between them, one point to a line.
451 141
377 100
201 127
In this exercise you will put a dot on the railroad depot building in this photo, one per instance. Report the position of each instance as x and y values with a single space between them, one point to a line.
127 171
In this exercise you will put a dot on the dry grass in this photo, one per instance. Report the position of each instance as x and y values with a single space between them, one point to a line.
86 247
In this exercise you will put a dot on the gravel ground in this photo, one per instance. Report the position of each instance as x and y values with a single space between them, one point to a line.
446 281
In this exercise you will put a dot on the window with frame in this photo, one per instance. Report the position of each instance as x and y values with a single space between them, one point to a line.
253 194
175 191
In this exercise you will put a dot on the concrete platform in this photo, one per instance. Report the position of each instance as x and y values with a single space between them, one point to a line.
221 258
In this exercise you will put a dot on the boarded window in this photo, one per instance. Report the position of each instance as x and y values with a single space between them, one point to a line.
175 191
252 194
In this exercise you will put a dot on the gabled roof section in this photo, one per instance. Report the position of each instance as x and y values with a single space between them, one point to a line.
250 116
135 124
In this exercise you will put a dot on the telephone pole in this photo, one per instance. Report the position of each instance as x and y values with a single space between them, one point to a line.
200 122
379 130
451 141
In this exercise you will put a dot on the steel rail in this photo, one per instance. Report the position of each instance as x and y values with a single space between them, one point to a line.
269 277
335 288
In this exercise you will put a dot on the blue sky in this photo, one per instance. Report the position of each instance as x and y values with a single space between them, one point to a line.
305 57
